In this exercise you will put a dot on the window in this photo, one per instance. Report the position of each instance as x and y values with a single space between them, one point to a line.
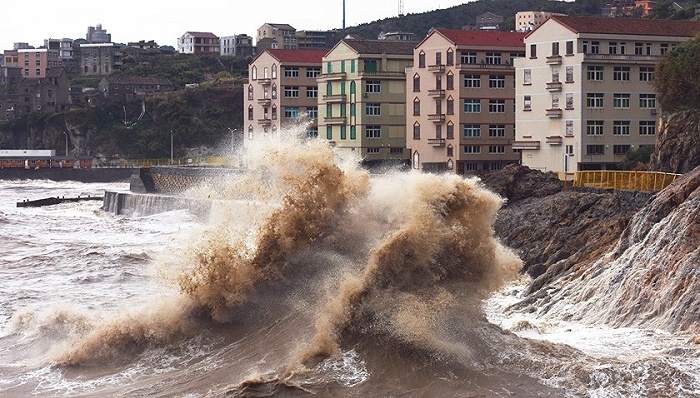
450 131
621 101
664 48
373 151
612 47
352 66
570 47
594 100
569 101
291 112
468 57
416 131
620 149
343 132
472 149
595 149
274 91
421 60
438 58
329 132
450 81
353 132
373 109
312 112
497 106
438 131
274 112
471 166
497 130
472 130
493 58
646 73
250 112
595 47
291 92
569 129
472 81
497 149
450 153
472 105
416 83
527 76
569 150
638 48
291 71
569 74
555 48
621 73
250 92
373 86
370 65
622 47
312 92
497 81
274 71
533 50
621 127
313 73
594 127
373 132
647 101
450 57
647 127
416 107
438 82
594 73
352 109
527 103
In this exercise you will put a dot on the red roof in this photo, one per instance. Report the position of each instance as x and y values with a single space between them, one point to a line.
628 26
483 38
300 56
208 35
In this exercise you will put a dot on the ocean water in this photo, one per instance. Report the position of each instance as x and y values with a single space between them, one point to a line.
308 278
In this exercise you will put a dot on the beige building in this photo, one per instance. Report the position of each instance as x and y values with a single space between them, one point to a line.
526 21
460 101
36 62
276 35
584 92
362 101
281 90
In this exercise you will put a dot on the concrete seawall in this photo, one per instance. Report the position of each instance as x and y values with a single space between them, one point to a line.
57 174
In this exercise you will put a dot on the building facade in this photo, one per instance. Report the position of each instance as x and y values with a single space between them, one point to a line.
95 34
316 39
461 99
237 46
200 43
362 98
35 62
584 92
281 90
280 36
128 87
526 21
98 59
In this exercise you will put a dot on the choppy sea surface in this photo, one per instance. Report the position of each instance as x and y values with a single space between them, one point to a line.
299 292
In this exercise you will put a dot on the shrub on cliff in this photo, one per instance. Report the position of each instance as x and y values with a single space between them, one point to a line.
676 78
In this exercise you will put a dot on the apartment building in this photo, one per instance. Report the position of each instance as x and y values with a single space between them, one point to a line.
281 90
237 46
526 21
276 35
98 59
362 101
461 101
36 61
200 43
584 92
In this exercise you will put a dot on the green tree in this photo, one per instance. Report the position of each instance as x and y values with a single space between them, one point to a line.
676 77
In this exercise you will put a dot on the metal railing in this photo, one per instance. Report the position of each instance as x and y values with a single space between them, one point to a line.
214 161
623 180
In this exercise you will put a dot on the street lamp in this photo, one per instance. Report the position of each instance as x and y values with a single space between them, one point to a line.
66 134
233 133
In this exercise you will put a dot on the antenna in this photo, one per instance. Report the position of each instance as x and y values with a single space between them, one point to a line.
401 8
343 16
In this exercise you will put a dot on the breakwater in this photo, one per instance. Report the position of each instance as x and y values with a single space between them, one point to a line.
58 174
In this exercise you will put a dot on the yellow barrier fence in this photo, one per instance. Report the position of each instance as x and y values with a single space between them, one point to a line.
624 180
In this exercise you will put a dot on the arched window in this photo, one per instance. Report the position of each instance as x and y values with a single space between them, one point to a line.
254 73
416 82
329 88
274 111
274 91
274 71
416 131
250 91
352 87
421 59
416 106
450 164
250 112
416 160
250 132
266 73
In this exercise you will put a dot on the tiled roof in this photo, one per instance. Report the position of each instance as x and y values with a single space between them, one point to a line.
208 35
484 38
300 56
396 47
282 26
628 26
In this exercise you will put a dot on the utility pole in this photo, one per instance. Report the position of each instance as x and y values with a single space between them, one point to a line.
66 134
401 8
343 16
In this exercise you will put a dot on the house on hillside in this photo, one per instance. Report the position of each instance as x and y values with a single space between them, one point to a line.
281 36
460 101
362 102
584 91
199 43
131 86
281 91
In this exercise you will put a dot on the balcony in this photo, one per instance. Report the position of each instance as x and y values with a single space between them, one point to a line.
554 140
264 101
554 86
613 58
436 141
335 120
464 67
265 82
526 145
335 98
436 93
333 76
554 60
437 118
436 68
554 113
400 75
265 122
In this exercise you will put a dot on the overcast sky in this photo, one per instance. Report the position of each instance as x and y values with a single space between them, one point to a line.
165 21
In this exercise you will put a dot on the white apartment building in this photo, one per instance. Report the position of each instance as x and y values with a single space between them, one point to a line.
584 93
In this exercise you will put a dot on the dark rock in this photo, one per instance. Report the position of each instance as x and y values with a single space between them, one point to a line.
678 143
516 183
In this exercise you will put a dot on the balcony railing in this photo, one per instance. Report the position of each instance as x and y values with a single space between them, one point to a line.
554 112
365 73
621 57
484 66
335 120
436 93
264 101
437 118
554 86
265 82
335 98
436 141
554 60
265 122
526 145
333 76
436 68
554 140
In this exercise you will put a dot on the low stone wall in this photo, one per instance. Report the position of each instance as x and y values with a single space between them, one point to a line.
173 180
